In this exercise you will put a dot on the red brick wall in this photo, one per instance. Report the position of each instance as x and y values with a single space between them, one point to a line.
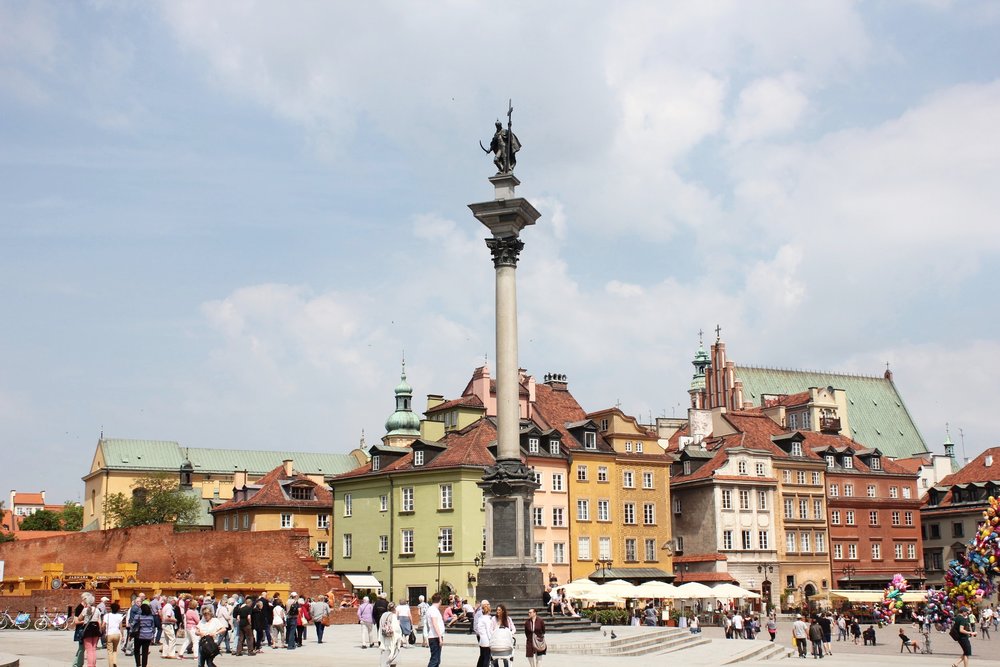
165 555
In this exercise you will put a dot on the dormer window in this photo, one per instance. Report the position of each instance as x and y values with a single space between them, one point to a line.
376 462
796 449
300 493
554 446
687 467
418 457
590 440
831 460
532 445
848 461
876 463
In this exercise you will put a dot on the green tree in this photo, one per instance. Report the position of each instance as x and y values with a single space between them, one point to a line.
42 520
72 516
155 499
6 537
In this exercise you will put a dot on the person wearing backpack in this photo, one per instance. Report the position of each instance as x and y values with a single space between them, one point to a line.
390 636
961 632
292 621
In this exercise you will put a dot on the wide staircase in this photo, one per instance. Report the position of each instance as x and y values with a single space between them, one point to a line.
629 642
519 613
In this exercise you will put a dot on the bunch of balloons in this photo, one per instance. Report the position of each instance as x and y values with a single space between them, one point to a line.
892 598
939 609
970 577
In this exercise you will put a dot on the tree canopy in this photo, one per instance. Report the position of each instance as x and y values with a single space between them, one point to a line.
70 518
155 499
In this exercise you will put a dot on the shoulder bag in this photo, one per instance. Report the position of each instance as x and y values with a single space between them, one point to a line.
537 640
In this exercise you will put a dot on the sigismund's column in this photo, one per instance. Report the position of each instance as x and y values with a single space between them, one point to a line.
510 573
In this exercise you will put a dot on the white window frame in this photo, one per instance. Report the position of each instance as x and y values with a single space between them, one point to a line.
647 480
604 548
321 549
557 482
383 503
581 473
533 447
287 520
554 446
348 504
603 509
628 514
558 552
589 440
322 521
538 517
582 509
558 517
446 496
348 545
583 548
727 499
628 479
406 542
418 457
383 544
602 473
852 551
408 498
649 514
838 551
446 540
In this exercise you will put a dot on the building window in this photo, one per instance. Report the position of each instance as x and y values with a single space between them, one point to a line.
532 445
893 492
383 503
557 481
848 461
820 542
638 448
792 421
789 508
406 541
816 479
911 551
876 463
604 424
301 493
871 490
686 467
539 552
321 550
835 517
895 518
742 467
559 552
246 522
803 509
583 548
759 469
727 539
796 449
628 479
800 476
590 440
790 542
848 490
628 515
935 531
558 517
763 541
677 505
650 550
581 473
322 521
958 529
649 514
817 508
538 481
897 551
762 500
852 551
908 518
348 505
805 542
838 551
873 518
418 457
604 548
383 544
348 545
537 514
850 517
446 496
831 460
727 500
746 537
406 493
602 473
876 551
786 476
376 462
744 499
286 520
603 510
583 510
647 480
630 550
906 491
628 446
225 523
554 446
445 544
834 490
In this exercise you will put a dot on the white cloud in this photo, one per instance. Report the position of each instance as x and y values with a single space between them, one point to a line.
768 107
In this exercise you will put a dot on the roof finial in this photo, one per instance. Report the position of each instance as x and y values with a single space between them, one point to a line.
718 333
402 375
362 443
701 340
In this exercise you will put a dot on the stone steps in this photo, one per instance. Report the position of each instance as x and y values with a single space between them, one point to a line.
651 642
769 651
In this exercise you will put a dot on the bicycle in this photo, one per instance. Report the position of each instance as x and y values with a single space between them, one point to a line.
48 622
21 622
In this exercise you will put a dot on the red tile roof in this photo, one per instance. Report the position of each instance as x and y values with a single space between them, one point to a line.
914 463
554 408
700 558
788 400
272 493
28 499
703 577
976 470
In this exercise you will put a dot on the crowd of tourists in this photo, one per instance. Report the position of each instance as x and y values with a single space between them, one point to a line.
194 627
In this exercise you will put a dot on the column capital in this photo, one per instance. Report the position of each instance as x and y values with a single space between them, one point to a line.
505 250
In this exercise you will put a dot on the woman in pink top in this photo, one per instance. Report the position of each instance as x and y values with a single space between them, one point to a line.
191 620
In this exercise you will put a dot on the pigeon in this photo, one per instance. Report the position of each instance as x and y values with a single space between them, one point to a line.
613 635
605 633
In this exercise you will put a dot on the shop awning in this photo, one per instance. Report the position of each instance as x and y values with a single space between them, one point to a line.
363 581
876 596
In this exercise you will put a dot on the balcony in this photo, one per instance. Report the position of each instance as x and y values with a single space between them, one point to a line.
829 424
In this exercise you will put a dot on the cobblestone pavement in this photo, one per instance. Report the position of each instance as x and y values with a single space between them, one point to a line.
341 648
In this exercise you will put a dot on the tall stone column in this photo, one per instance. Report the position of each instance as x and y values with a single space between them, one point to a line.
510 573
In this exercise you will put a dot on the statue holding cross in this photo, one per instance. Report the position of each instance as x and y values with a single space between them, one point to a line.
504 145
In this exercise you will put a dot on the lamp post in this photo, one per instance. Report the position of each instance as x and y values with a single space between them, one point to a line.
603 566
765 586
921 574
439 567
849 571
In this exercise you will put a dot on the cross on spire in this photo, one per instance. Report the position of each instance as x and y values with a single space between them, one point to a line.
701 340
718 333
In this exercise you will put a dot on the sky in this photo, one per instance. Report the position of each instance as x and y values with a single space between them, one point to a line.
223 223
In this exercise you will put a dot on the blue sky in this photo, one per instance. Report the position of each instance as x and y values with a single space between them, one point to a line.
221 223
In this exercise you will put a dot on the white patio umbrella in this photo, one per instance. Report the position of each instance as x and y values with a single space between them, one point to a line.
694 590
732 591
655 589
578 587
618 588
597 595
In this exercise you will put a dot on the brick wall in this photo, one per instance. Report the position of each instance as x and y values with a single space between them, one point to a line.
165 555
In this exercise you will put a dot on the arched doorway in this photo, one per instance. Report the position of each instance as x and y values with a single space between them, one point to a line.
809 590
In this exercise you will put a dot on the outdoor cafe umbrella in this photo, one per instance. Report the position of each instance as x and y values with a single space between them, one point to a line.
733 592
618 588
579 587
655 589
694 590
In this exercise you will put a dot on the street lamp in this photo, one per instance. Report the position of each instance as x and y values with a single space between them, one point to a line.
920 573
439 565
765 587
849 571
603 566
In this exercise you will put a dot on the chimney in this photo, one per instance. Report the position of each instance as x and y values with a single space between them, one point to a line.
239 479
287 463
557 381
43 496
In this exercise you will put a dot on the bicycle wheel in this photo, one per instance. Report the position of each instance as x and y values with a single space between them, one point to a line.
41 624
3 622
23 625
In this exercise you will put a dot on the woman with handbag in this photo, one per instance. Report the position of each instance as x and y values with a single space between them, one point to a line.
90 619
390 637
144 631
278 623
534 643
502 639
209 630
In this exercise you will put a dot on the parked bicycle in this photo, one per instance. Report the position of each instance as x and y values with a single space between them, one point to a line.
22 621
48 622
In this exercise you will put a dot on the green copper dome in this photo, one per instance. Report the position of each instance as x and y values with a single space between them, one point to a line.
701 361
403 421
